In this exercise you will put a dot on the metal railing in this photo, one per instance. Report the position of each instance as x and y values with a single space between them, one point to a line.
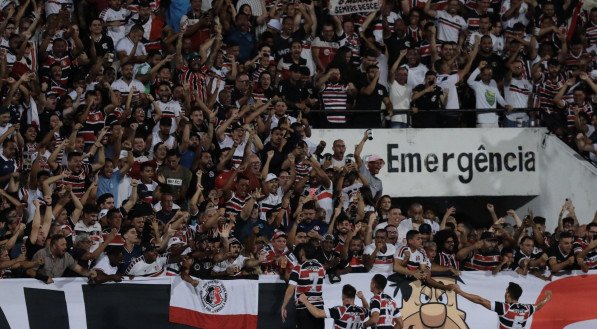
374 114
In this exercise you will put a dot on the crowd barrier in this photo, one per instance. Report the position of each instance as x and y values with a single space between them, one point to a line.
169 302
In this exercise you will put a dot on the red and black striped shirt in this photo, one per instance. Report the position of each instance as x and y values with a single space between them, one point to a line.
387 309
512 316
308 279
482 260
347 316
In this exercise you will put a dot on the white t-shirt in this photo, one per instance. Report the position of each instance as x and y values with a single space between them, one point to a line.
240 149
126 45
54 6
94 231
103 263
416 257
124 88
407 225
487 96
223 265
384 262
400 97
416 75
110 15
520 18
139 267
517 94
170 109
448 26
170 142
448 82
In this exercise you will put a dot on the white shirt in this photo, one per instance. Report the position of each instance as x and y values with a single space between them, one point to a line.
276 120
170 109
110 15
416 75
170 142
448 82
400 97
240 149
407 225
271 201
54 6
448 26
139 267
126 45
520 18
94 231
384 262
487 96
103 264
124 88
418 256
239 262
517 94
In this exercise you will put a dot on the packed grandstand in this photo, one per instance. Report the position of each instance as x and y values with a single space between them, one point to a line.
174 137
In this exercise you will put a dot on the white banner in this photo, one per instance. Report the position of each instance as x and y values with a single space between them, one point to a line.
449 162
573 305
215 304
227 304
13 299
343 7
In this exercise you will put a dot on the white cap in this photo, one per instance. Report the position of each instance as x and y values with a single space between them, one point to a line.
275 24
270 176
174 240
103 213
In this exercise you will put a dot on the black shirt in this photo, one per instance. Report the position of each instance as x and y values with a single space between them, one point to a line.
292 92
282 45
103 46
371 102
429 101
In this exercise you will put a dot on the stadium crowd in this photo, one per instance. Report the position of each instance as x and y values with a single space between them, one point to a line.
149 138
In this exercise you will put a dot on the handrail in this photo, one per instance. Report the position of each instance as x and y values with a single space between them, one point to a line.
407 111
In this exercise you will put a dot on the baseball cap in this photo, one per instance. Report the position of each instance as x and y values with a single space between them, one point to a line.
166 122
102 213
123 155
488 236
174 240
277 234
328 237
294 68
274 24
51 94
425 228
193 55
5 3
232 241
305 70
374 157
270 177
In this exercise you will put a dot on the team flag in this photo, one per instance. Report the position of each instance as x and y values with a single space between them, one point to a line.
215 304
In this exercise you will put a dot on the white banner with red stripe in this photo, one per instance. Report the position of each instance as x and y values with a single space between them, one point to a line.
343 7
215 304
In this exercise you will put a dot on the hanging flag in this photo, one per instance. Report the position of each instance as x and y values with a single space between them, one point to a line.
215 304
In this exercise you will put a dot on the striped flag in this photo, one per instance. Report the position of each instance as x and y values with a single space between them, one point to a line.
215 304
